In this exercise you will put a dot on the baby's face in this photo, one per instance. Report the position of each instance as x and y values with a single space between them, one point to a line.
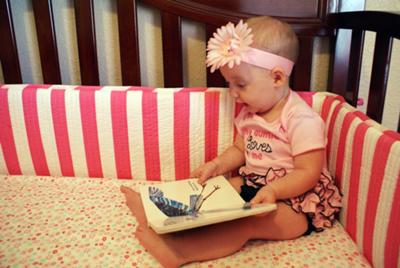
252 86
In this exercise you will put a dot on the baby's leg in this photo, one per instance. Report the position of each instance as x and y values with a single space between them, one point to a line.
219 240
199 244
134 202
236 182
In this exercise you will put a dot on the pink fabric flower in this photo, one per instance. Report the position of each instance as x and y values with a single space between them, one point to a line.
228 45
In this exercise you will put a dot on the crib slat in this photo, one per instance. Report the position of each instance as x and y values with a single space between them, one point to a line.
347 64
355 62
398 125
340 59
172 50
86 36
379 76
8 52
301 78
47 41
213 79
128 41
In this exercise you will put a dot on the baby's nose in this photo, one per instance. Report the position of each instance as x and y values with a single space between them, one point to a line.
237 98
233 93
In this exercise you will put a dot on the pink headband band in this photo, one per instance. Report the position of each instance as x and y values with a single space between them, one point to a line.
267 60
231 45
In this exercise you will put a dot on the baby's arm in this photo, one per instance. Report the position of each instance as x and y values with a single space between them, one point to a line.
231 158
305 175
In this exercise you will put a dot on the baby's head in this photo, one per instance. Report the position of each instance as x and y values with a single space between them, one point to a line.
256 58
262 41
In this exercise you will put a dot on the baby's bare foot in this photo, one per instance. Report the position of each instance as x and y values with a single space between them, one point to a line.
134 202
159 247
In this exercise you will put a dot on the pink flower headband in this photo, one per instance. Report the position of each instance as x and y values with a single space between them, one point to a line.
231 45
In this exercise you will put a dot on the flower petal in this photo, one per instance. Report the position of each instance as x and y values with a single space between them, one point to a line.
228 44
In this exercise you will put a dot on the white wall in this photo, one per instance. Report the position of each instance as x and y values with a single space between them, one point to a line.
151 49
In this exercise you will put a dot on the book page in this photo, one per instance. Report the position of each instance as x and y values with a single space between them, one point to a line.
219 201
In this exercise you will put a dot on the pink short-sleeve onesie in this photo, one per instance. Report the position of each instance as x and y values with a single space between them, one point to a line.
271 146
269 151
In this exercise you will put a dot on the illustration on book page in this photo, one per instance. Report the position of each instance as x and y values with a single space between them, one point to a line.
172 207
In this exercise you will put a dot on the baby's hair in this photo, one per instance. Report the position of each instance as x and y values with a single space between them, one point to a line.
274 36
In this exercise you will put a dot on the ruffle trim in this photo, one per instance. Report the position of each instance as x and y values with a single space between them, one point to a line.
321 203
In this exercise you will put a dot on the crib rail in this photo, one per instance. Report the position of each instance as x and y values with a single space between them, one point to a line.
345 75
8 52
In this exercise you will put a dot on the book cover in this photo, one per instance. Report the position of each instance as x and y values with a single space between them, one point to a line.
184 204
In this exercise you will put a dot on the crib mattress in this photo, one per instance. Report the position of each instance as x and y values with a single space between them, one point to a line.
77 222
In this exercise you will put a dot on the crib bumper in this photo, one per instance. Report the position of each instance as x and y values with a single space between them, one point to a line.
139 134
365 160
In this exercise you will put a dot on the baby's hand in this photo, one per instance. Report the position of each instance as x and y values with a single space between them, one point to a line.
206 171
265 195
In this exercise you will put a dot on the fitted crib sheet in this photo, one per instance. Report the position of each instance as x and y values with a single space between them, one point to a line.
79 222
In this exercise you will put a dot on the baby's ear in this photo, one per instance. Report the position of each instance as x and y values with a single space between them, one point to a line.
279 76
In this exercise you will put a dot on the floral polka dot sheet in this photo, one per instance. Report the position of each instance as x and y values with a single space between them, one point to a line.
82 222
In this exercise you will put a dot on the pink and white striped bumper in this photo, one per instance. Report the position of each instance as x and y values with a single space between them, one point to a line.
162 134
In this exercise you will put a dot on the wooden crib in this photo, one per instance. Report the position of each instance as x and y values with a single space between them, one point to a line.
310 20
377 239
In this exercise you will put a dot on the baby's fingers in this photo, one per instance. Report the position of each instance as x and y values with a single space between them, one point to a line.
264 195
200 175
195 174
202 179
257 199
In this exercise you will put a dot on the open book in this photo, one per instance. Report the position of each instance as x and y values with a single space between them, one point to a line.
184 204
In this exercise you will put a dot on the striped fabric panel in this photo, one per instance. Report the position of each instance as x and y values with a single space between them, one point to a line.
181 123
88 107
197 132
120 139
211 125
121 132
46 127
3 168
33 130
384 179
330 113
18 131
135 134
364 159
103 143
227 109
59 118
75 132
150 135
392 245
9 160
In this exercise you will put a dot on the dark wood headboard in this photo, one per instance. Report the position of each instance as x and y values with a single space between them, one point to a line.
310 19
